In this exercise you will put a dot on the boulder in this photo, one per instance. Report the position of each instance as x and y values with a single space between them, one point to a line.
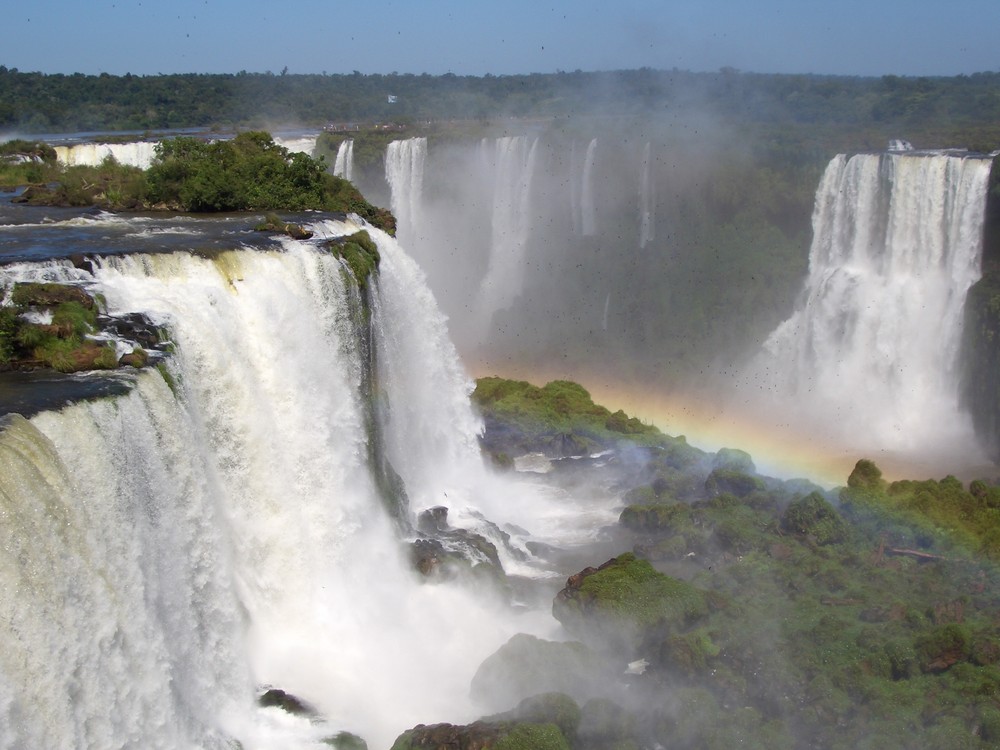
482 735
625 602
286 702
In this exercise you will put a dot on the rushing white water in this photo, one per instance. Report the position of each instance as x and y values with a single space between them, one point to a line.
588 208
167 554
138 154
511 161
303 144
871 353
404 171
647 198
343 165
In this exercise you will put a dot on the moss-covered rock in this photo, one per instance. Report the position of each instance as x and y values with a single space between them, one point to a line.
734 482
274 223
346 741
545 708
35 294
359 252
625 601
483 735
866 476
656 519
814 517
689 653
558 419
733 459
943 647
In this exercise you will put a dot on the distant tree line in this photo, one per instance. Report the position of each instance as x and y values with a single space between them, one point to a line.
37 102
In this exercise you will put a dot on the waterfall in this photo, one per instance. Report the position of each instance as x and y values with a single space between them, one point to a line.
511 161
343 165
138 154
305 144
168 551
404 171
588 209
647 198
872 349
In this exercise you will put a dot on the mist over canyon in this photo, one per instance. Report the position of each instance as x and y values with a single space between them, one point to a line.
298 495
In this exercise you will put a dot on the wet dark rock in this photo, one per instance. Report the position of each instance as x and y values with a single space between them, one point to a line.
433 520
346 741
427 555
133 327
274 697
137 358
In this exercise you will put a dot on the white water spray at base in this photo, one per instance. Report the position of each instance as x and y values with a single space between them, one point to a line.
871 355
167 554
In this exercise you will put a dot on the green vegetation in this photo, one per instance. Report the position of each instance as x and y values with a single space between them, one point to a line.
25 162
360 253
47 103
771 614
485 735
625 593
273 223
559 418
62 342
247 173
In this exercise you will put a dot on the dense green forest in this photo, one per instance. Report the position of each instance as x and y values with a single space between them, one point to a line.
36 102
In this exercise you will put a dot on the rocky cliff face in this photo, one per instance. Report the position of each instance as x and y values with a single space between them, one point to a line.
981 338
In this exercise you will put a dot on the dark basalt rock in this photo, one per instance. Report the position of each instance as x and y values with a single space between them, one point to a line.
427 555
433 520
446 550
134 327
286 702
346 741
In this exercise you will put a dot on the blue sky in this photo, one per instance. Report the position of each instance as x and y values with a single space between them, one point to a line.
849 37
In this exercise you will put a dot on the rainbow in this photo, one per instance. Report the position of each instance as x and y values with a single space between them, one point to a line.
779 447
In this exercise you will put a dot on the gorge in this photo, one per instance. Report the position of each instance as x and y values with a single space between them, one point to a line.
240 518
